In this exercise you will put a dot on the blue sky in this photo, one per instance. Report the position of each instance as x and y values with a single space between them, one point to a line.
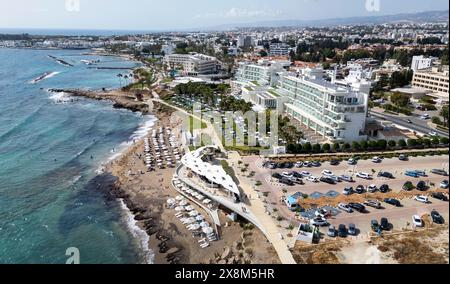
175 14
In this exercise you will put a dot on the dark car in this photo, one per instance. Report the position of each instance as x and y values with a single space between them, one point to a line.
384 224
297 174
393 202
286 181
289 165
422 186
316 164
385 175
342 231
277 176
360 189
357 207
352 230
408 186
281 165
384 188
439 172
375 225
439 196
335 162
327 180
437 218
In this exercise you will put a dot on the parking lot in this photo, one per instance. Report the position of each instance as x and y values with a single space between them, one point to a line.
397 216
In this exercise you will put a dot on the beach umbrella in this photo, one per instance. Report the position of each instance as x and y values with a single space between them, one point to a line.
195 227
206 201
189 208
180 209
208 230
199 218
183 203
193 213
179 198
190 220
171 201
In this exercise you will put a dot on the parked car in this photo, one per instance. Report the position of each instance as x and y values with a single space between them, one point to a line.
277 176
421 173
375 225
363 175
348 191
345 207
384 224
425 116
352 162
322 213
373 203
417 221
299 164
335 178
439 196
331 232
393 202
352 230
385 175
327 173
439 172
422 199
307 164
411 174
320 222
286 181
372 188
287 175
403 157
272 166
346 178
384 188
289 165
305 174
444 184
376 160
437 218
312 179
327 180
316 164
342 231
357 207
408 186
296 174
421 185
335 162
360 189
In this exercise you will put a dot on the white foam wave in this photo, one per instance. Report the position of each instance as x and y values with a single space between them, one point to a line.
138 233
44 77
60 98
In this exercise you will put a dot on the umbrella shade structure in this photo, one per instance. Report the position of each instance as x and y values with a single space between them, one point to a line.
190 221
204 224
208 230
193 213
179 198
207 201
183 203
180 209
189 208
171 201
195 227
199 218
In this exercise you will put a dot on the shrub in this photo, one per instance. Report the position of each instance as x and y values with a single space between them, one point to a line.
427 142
412 142
435 141
356 146
307 147
363 145
402 144
326 148
347 146
316 148
336 147
444 140
392 144
382 144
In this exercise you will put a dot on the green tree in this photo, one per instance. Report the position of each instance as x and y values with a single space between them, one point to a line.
336 147
392 144
435 141
412 143
356 146
307 147
326 148
373 145
382 144
347 146
317 148
402 144
444 113
400 100
427 142
444 140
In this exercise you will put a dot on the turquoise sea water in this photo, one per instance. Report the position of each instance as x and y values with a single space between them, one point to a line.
49 154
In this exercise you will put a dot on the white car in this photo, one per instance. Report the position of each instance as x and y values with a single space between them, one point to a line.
376 160
417 221
287 175
363 175
327 173
345 207
298 164
372 188
318 222
351 162
433 133
321 213
305 174
312 179
421 198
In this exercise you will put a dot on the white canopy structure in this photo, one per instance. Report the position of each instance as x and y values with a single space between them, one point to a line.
213 173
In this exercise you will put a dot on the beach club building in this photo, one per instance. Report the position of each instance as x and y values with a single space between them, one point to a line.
193 64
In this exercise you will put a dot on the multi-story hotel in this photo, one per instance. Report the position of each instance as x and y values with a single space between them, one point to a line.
337 113
192 64
433 79
279 49
261 74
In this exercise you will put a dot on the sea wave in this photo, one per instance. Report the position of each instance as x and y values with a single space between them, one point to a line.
60 98
43 77
138 233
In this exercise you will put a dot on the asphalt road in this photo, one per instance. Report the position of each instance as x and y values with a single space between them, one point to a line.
417 124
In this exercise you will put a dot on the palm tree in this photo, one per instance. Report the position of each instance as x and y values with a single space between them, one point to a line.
120 76
126 79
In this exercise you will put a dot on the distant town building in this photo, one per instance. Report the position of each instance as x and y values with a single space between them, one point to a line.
279 49
421 62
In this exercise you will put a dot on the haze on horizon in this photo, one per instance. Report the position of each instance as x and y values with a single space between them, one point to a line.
182 14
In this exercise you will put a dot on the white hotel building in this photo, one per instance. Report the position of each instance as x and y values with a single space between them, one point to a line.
193 64
338 113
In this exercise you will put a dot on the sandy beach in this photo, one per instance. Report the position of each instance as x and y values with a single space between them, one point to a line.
146 194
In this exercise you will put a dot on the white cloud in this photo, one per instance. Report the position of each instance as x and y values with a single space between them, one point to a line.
240 13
